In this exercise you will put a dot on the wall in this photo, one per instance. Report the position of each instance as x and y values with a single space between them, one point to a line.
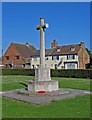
12 52
83 57
51 63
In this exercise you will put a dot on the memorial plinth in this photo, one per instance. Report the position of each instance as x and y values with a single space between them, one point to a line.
42 79
51 85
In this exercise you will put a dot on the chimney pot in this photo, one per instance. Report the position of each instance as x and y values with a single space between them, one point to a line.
54 44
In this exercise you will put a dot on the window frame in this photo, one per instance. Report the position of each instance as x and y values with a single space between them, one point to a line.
70 57
55 57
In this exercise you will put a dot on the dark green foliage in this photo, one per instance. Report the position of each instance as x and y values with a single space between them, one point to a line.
28 72
71 73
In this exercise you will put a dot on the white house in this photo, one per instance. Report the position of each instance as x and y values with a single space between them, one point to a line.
62 57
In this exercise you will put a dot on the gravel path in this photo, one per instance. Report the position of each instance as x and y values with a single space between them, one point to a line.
35 98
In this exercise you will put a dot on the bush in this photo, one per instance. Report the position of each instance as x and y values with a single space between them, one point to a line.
71 73
28 72
76 73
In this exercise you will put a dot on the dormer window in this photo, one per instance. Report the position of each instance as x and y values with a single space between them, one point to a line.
16 57
58 50
72 49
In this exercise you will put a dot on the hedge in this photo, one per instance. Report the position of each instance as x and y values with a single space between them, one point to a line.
27 72
72 73
75 73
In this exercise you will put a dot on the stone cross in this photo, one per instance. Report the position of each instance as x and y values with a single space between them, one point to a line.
42 41
42 80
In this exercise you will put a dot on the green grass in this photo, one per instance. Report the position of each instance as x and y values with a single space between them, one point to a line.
0 108
76 83
12 82
78 107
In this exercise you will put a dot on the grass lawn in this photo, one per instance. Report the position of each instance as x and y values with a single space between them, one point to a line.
78 107
76 83
12 82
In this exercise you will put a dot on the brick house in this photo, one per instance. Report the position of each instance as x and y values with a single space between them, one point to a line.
16 55
63 57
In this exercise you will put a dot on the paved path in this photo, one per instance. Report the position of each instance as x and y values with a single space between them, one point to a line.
35 98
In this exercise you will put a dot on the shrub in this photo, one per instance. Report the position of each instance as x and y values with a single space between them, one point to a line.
76 73
29 72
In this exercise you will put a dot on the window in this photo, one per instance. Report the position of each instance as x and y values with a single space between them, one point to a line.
10 65
58 50
71 66
16 57
23 65
69 57
72 49
7 57
55 57
33 66
27 63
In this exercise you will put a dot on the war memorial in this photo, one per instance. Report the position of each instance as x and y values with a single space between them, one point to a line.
42 89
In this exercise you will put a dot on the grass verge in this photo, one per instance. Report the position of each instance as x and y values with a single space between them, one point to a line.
78 107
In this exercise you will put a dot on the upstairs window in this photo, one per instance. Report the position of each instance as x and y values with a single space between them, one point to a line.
7 57
70 57
58 50
72 49
55 57
17 57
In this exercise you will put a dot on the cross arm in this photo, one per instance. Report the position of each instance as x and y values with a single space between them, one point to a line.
37 27
42 26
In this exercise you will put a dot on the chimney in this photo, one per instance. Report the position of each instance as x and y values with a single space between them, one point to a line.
27 44
82 44
54 44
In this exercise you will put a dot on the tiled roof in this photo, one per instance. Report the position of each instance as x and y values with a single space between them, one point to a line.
37 52
64 50
60 50
24 49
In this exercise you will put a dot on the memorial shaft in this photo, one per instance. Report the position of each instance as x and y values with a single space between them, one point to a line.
42 43
42 79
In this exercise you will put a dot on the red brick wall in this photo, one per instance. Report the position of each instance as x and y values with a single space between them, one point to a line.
12 52
83 57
